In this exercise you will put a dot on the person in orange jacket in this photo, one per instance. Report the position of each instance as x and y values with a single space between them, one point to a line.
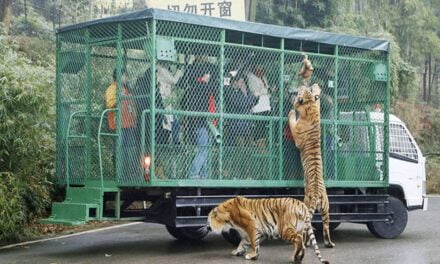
128 122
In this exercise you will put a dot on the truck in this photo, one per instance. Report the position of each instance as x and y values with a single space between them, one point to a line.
141 169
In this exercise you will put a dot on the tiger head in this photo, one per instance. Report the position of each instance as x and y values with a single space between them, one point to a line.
219 218
306 97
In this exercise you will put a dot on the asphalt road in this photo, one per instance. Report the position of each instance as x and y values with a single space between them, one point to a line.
150 243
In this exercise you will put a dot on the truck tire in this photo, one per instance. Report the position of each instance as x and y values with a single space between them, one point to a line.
393 228
175 232
187 233
232 236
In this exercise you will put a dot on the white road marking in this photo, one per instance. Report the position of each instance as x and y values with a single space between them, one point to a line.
70 235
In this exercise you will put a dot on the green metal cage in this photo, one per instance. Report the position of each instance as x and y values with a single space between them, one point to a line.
176 126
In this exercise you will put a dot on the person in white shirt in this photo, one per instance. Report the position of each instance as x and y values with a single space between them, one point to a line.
259 87
166 82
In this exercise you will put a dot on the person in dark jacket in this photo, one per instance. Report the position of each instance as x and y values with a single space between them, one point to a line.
238 100
142 91
199 96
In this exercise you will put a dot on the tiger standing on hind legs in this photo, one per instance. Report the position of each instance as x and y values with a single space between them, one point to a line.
306 132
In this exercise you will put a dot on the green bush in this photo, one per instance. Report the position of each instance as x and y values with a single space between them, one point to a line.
27 147
433 175
12 210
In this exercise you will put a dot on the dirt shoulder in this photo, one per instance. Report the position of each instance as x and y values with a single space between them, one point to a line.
42 231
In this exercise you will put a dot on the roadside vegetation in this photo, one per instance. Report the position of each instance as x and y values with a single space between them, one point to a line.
26 134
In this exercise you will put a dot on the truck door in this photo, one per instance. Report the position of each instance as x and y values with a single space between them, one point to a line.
407 165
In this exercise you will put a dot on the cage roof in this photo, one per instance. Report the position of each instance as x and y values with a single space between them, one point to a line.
248 27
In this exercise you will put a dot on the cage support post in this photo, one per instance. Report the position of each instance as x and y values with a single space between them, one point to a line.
58 108
118 93
222 101
88 106
153 102
386 129
335 115
280 110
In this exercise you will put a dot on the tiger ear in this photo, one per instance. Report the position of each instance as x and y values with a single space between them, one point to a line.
302 88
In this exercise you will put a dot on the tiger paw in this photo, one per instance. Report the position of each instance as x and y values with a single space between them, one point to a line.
252 256
238 252
296 260
329 244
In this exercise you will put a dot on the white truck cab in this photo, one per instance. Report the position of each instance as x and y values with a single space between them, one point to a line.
407 175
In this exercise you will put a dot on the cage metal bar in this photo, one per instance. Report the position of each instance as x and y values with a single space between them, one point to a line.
386 130
216 115
253 47
143 116
341 57
88 106
119 92
60 142
335 114
280 112
153 101
257 183
208 42
271 138
67 147
222 103
101 169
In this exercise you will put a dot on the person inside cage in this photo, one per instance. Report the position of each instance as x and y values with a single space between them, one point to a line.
143 90
324 78
199 96
166 81
259 87
128 120
239 100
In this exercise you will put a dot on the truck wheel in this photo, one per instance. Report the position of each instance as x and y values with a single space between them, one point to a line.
232 236
333 226
187 233
393 228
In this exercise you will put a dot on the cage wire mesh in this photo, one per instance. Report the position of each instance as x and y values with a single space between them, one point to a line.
208 107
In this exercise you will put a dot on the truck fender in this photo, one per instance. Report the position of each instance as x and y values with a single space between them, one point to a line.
397 191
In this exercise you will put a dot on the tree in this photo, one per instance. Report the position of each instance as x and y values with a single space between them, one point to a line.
5 14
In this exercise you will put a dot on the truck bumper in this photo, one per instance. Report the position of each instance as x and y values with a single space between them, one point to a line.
425 203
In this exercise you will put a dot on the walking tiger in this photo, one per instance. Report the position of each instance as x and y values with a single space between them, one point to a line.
256 219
